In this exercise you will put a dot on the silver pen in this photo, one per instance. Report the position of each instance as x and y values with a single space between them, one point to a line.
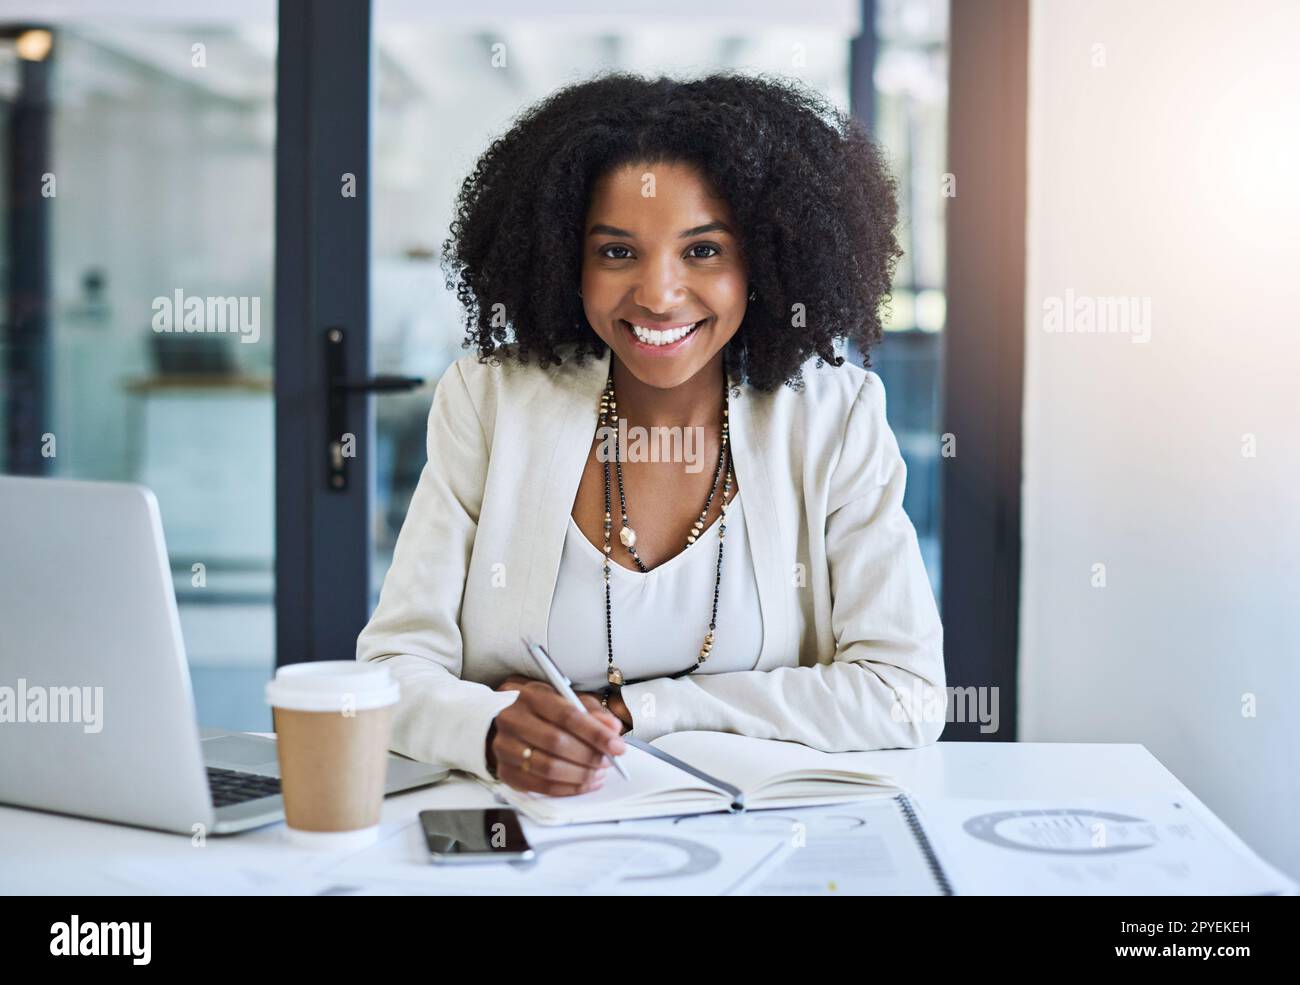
562 684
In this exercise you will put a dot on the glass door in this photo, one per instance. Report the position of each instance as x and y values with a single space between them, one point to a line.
137 326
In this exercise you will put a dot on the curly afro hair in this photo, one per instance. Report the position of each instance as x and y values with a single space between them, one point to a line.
813 197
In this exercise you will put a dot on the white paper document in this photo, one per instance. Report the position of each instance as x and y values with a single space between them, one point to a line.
1156 846
869 848
872 847
604 859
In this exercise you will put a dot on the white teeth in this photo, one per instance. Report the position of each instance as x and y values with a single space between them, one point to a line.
652 337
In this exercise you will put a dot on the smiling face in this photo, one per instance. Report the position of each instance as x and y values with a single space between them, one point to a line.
663 280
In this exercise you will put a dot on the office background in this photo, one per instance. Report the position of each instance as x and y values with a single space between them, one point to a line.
165 176
1098 147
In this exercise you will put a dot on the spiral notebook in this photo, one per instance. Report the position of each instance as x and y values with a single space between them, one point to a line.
704 772
877 847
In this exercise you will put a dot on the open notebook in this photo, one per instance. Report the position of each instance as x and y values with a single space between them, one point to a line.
704 772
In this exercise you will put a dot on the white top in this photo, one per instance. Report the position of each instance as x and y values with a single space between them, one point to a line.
660 616
852 651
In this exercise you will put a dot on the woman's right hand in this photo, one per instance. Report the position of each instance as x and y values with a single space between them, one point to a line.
569 749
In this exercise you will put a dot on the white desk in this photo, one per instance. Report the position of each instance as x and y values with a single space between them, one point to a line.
46 853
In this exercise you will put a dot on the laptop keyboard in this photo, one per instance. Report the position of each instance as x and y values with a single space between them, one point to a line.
232 787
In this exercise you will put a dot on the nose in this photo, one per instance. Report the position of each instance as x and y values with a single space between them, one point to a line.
660 291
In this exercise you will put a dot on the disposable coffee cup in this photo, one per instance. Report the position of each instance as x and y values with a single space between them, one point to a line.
333 720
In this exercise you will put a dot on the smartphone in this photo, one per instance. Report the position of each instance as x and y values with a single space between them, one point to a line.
478 835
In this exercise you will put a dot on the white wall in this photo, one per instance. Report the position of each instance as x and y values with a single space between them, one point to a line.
1171 173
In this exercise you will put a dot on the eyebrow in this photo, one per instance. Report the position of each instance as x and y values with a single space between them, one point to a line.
600 229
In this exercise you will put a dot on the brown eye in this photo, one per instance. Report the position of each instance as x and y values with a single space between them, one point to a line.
704 246
604 251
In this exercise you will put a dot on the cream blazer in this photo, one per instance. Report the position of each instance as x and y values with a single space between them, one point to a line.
852 652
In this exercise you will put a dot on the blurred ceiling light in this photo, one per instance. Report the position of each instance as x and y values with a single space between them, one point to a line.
900 312
34 45
931 309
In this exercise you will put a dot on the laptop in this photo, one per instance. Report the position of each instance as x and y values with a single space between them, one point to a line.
97 715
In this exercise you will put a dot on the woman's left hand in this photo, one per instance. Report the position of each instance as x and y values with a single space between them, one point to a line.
619 708
516 682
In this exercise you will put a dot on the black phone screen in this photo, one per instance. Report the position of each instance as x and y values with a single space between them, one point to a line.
476 832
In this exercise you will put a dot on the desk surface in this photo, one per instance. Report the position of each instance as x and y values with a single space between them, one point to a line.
47 853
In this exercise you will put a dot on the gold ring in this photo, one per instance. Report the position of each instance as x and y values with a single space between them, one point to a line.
528 755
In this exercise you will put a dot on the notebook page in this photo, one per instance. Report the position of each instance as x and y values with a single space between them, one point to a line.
748 763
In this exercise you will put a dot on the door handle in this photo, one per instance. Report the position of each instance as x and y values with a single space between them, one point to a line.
338 387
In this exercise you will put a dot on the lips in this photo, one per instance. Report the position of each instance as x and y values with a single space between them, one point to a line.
661 339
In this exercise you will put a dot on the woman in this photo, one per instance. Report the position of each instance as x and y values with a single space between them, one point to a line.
675 255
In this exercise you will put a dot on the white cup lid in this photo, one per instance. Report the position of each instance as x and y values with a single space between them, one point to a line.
332 685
